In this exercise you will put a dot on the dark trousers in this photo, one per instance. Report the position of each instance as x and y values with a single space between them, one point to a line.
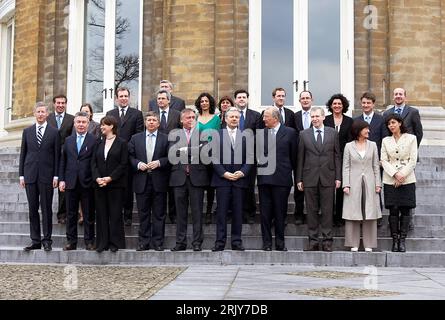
151 202
319 198
338 205
61 212
249 204
299 203
229 198
129 198
40 193
273 206
86 198
171 204
109 222
182 196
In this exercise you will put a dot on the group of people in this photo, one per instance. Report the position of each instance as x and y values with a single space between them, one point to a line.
174 155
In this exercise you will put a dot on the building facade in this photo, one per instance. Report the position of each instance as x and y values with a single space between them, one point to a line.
86 48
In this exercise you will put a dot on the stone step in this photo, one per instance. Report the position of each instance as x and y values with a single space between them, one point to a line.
250 242
248 230
227 257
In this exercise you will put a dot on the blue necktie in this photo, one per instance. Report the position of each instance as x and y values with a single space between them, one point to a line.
59 121
163 121
79 143
241 121
399 111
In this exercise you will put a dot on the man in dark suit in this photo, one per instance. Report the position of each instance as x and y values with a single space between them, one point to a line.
411 120
410 115
249 120
176 103
287 116
148 152
231 170
302 122
318 174
280 146
130 121
76 180
38 170
170 119
376 128
64 123
188 178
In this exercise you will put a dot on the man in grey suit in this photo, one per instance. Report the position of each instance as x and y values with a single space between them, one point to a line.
63 122
318 173
410 115
38 170
188 178
176 103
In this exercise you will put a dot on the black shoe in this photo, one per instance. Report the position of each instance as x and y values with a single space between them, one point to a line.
47 247
239 247
251 220
127 222
281 249
299 221
197 247
327 247
159 248
215 249
32 247
312 247
178 248
141 247
99 250
267 248
70 246
114 249
90 247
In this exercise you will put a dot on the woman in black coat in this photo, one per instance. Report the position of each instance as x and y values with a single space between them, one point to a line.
338 105
109 167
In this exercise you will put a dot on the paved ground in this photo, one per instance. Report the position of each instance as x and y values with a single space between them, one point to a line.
209 282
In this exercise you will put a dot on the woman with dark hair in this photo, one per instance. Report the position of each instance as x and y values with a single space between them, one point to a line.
338 105
361 187
224 104
93 127
399 157
208 120
109 166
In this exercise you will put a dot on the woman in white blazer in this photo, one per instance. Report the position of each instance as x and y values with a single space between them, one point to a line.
361 187
399 157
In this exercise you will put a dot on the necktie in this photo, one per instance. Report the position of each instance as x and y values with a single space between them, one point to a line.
232 137
281 115
368 119
149 147
59 121
163 121
306 119
241 121
79 143
122 113
187 166
39 135
319 140
399 111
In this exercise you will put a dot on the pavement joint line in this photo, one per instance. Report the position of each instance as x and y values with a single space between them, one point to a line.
231 283
429 278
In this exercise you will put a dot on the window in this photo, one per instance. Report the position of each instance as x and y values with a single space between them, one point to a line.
6 64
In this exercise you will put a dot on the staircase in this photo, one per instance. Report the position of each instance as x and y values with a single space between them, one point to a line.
425 244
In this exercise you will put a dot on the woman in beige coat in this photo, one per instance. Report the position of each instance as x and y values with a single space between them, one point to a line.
399 157
361 186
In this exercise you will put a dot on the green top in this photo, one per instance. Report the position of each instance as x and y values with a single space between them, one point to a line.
214 123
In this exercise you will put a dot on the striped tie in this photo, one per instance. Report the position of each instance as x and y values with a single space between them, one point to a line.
39 135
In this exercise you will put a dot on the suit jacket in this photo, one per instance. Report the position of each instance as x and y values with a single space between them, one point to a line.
399 156
316 165
132 123
344 135
115 166
176 103
173 120
77 166
252 119
411 120
240 152
137 153
299 121
198 171
376 128
39 164
286 158
66 128
289 119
